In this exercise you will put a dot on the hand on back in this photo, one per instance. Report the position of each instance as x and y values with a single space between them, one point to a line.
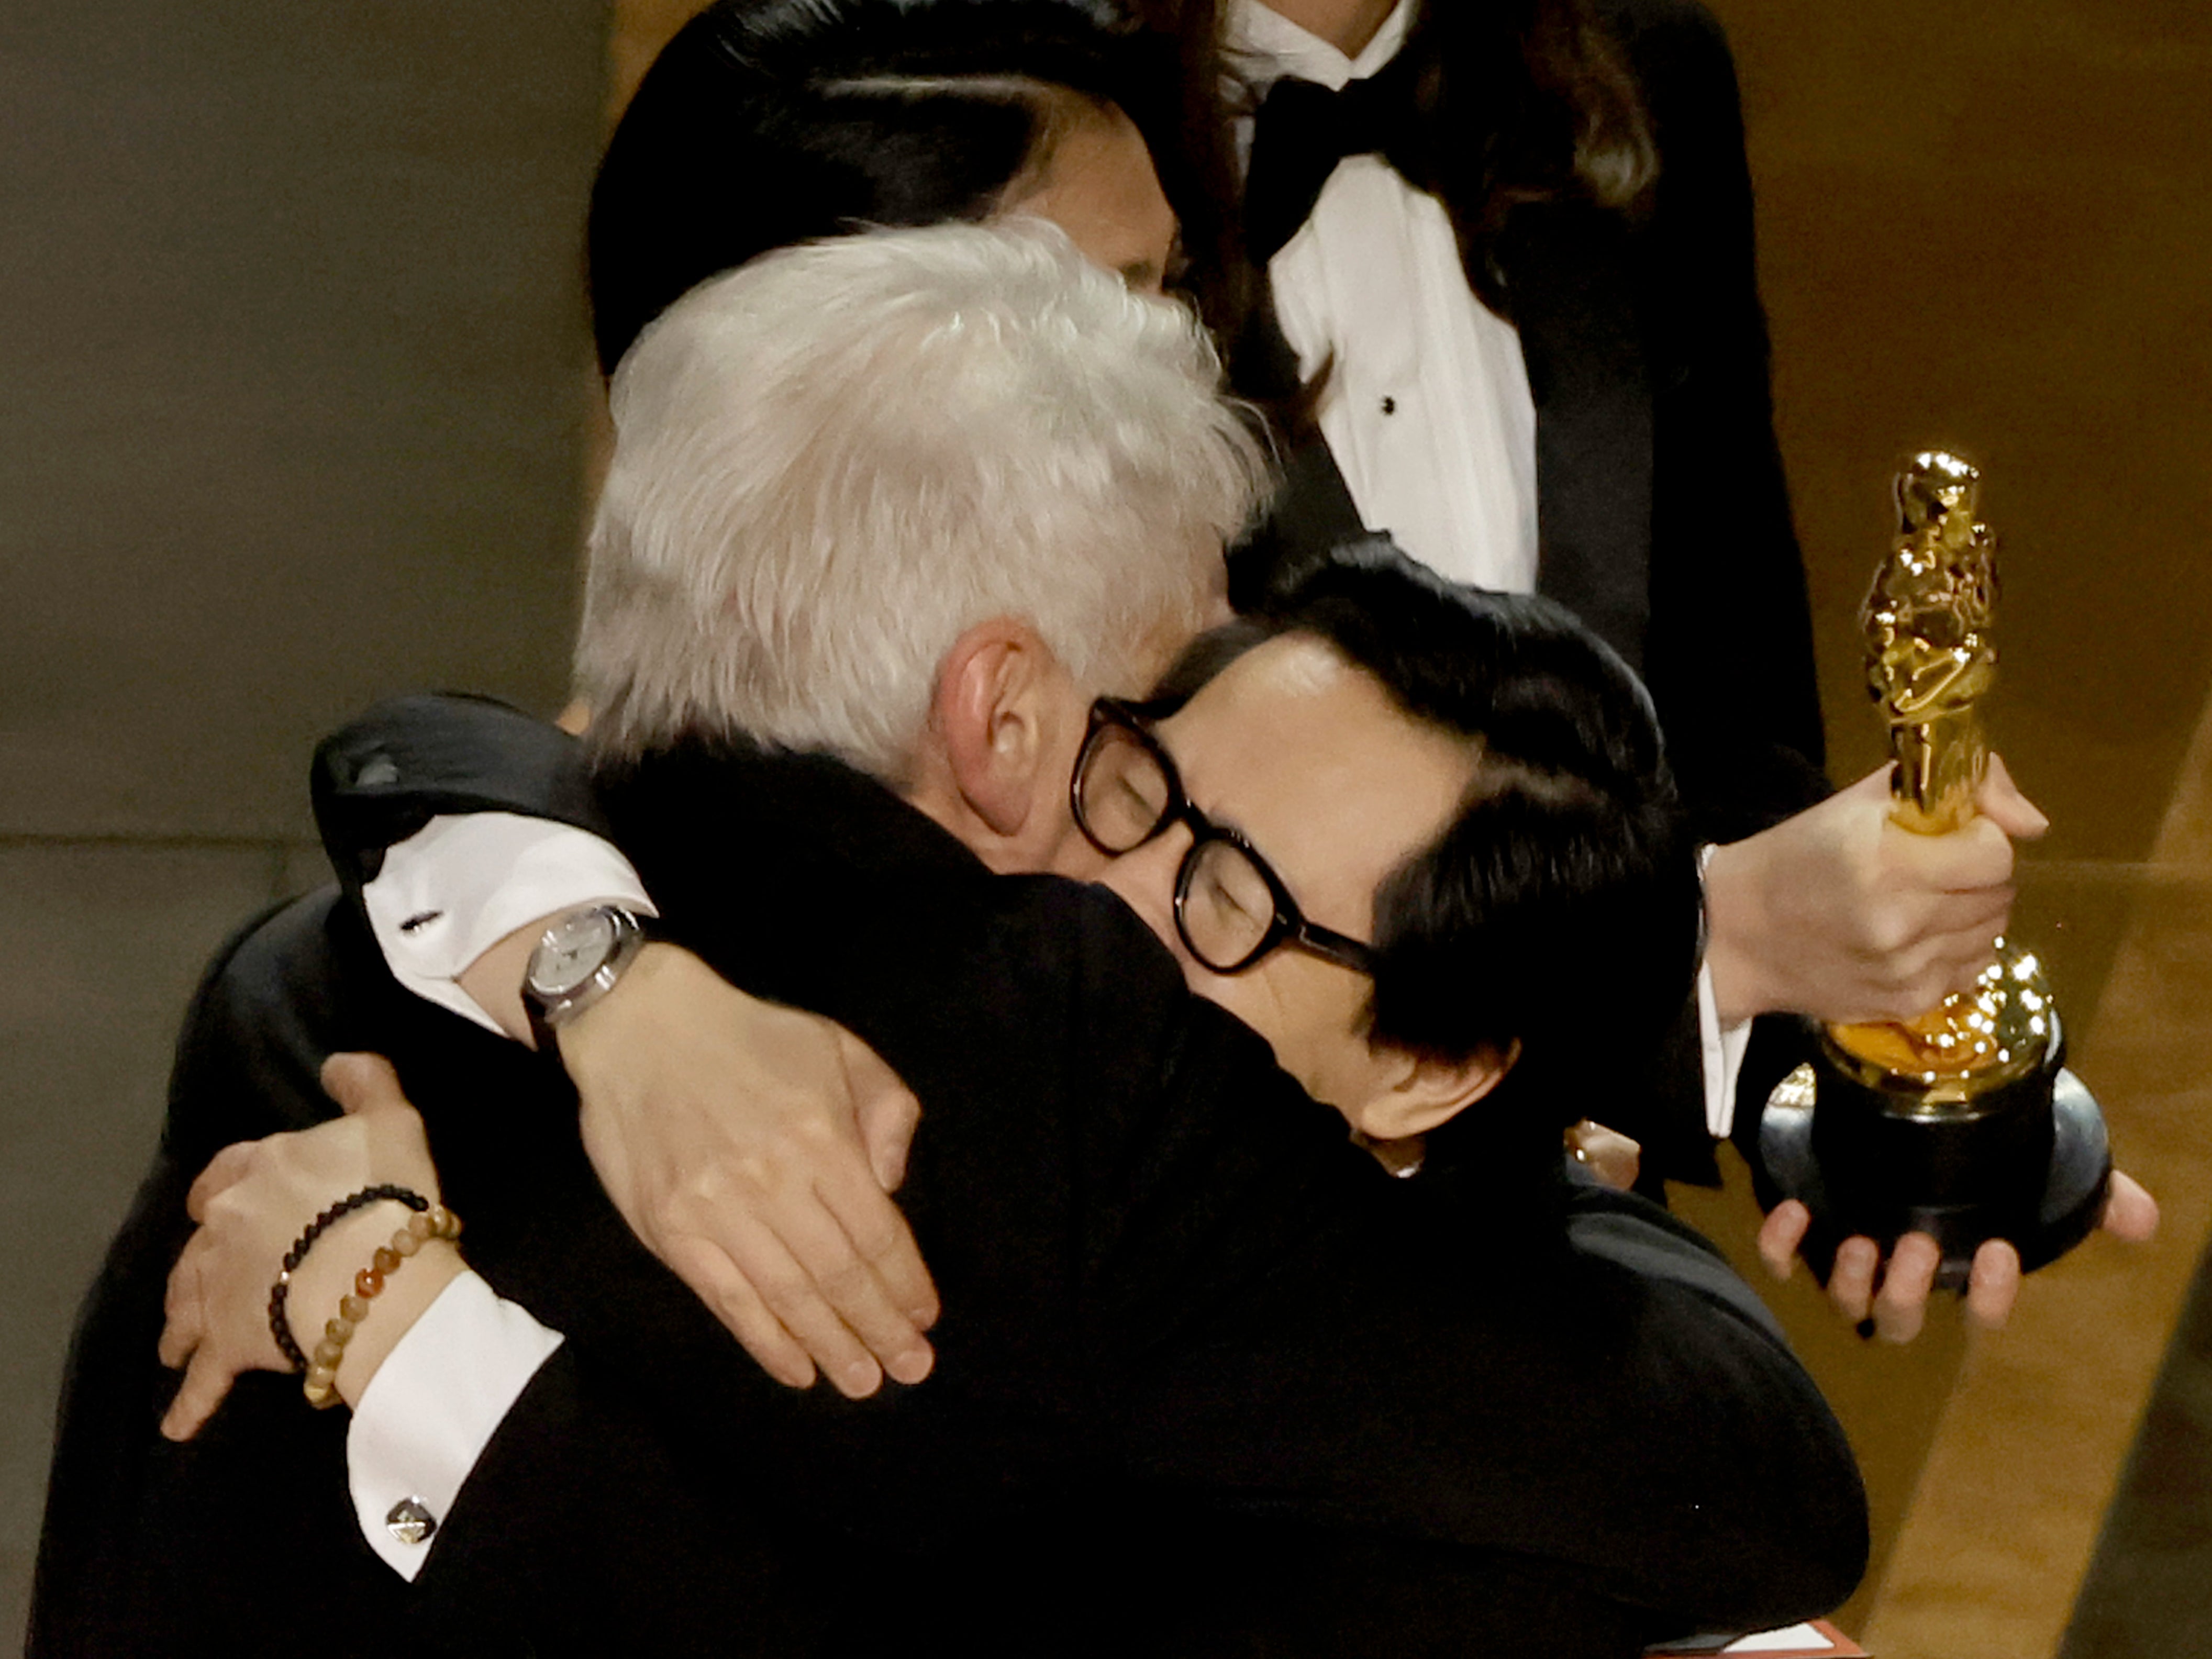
753 1148
254 1198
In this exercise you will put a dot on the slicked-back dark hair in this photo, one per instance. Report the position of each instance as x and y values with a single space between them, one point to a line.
1560 907
764 123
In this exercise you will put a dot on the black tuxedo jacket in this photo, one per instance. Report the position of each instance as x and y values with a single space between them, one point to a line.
1207 1381
1663 515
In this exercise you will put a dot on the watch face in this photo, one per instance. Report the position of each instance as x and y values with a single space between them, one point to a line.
572 949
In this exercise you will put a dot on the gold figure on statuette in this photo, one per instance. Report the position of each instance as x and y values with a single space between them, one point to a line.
1965 1123
1931 659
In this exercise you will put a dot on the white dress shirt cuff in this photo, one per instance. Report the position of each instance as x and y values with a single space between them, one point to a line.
1722 1047
431 1409
461 883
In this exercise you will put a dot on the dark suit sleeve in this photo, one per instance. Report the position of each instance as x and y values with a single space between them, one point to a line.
1628 1411
380 779
153 1548
1729 653
593 1520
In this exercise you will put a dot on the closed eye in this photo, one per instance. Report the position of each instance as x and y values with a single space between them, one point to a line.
1225 902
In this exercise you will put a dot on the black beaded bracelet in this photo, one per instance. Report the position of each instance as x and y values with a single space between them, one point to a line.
281 1328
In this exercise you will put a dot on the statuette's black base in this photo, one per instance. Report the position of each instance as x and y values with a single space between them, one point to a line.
2027 1162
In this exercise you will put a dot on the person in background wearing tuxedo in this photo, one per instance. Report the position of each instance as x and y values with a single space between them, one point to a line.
1179 1295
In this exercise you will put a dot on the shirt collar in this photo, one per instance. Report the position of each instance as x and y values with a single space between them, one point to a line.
1264 46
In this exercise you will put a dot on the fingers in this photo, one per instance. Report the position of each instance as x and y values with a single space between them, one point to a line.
887 1125
383 1132
792 1297
1901 1308
1935 970
846 1298
185 1342
225 1170
888 1114
2002 803
887 1110
1779 1237
363 1083
2131 1213
1896 1314
1970 922
1909 981
1979 856
870 1226
206 1381
1976 855
1851 1281
709 1274
1993 1284
183 1307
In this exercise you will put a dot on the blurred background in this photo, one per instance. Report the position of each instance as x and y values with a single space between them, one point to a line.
299 412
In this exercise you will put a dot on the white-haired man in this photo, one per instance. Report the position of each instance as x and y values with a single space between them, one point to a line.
1191 1321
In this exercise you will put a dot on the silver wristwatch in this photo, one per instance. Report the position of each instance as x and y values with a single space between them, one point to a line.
577 962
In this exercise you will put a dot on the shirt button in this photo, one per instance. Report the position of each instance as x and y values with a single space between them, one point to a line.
410 1521
1389 405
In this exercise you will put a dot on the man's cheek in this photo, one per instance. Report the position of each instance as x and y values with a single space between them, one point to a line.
1257 998
1077 859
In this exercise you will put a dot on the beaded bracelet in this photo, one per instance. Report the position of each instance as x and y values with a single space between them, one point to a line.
279 1325
320 1384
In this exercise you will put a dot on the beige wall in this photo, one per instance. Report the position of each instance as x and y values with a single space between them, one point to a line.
291 336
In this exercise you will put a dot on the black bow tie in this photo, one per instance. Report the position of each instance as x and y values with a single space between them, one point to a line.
1303 130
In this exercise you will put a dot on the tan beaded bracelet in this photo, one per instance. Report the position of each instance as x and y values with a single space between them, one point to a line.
320 1384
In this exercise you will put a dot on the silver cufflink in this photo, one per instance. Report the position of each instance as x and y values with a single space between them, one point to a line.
410 1521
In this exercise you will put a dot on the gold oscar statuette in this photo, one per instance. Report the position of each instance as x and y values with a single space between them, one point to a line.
1964 1122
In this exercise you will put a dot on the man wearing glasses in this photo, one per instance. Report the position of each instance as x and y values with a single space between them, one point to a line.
1231 909
1207 1378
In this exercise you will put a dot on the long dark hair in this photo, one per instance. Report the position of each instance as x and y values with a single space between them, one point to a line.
1532 101
1528 102
765 123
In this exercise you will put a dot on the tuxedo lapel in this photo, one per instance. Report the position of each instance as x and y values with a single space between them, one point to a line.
1566 273
1312 510
1566 277
1311 514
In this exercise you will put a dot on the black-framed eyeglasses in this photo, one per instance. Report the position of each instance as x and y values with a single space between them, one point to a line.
1231 907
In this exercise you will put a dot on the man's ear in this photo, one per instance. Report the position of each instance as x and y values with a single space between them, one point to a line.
992 713
1416 1093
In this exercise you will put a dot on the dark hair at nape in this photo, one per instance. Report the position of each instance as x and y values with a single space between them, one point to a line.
1561 908
765 123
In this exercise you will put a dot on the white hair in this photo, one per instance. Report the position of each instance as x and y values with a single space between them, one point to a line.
832 462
